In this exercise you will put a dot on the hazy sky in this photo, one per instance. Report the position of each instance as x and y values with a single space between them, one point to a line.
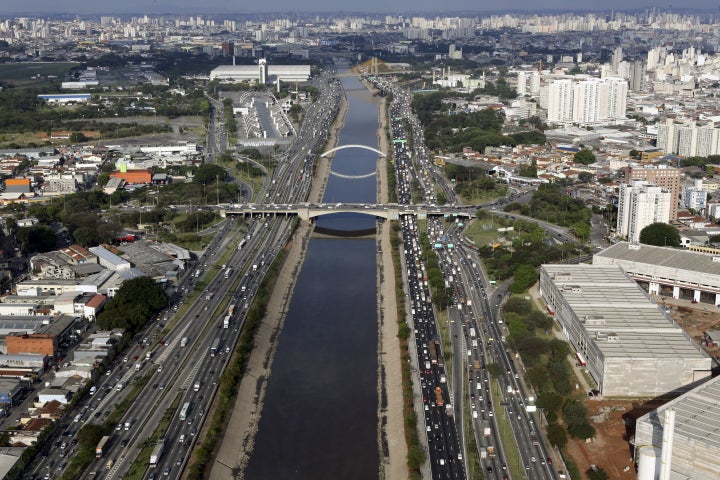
39 7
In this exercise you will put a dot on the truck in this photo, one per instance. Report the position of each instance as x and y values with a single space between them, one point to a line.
100 449
138 366
483 452
433 352
486 428
156 454
472 332
491 451
534 438
184 341
226 321
214 347
228 272
476 364
439 397
254 268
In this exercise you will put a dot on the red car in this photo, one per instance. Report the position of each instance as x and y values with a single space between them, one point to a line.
549 460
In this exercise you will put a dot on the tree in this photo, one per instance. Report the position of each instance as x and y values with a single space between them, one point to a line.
39 238
208 173
86 236
597 474
78 137
661 235
557 436
103 179
525 276
585 156
585 177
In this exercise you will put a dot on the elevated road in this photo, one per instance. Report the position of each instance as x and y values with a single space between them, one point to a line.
391 211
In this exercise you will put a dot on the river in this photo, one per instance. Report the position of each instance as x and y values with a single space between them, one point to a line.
319 419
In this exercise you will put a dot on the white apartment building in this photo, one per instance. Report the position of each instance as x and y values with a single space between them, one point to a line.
589 101
688 139
640 204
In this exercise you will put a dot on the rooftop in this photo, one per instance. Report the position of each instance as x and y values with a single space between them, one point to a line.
623 320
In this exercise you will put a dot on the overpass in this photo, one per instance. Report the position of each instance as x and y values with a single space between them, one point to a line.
308 211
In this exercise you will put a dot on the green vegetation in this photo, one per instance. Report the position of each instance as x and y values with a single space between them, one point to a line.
585 156
473 185
135 302
661 235
38 238
549 374
441 295
477 129
524 244
551 204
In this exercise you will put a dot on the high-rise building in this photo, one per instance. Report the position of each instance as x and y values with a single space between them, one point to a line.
521 83
666 177
588 101
228 49
688 139
640 204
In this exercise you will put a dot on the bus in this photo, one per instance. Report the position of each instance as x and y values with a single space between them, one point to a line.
185 411
231 309
228 272
214 347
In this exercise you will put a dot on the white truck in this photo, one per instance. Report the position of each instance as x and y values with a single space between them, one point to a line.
156 453
128 424
184 341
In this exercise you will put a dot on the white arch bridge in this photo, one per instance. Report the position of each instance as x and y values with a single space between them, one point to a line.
345 175
308 211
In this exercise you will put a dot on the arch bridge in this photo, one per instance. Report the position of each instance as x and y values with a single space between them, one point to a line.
343 147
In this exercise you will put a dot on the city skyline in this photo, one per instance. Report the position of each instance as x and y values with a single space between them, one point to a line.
281 7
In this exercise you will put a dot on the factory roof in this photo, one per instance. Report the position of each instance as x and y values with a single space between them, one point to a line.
662 257
622 319
697 413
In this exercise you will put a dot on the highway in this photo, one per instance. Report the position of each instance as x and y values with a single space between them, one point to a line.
176 371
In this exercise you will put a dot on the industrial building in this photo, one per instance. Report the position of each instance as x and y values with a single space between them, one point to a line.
628 344
667 271
681 439
261 73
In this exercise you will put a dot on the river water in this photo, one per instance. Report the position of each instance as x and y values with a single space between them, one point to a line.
319 419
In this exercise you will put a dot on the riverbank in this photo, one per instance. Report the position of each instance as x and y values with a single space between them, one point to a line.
239 437
394 453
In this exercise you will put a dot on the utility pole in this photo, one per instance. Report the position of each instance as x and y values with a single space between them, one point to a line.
217 190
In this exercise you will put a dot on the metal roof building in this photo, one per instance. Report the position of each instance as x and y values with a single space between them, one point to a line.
670 269
682 437
628 343
284 73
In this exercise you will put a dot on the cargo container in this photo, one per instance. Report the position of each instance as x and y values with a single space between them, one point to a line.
100 449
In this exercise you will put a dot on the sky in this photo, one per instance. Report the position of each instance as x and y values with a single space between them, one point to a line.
45 7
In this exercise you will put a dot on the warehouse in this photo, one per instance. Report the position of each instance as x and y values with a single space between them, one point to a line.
667 271
261 73
628 344
681 436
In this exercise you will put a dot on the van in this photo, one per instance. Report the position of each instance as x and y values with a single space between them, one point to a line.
109 464
78 417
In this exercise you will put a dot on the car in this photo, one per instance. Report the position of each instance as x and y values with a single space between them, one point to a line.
124 443
179 461
549 461
155 385
166 472
161 386
489 469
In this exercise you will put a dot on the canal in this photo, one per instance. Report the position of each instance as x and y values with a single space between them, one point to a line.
319 419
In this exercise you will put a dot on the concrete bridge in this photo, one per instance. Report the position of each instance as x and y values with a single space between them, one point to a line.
306 211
